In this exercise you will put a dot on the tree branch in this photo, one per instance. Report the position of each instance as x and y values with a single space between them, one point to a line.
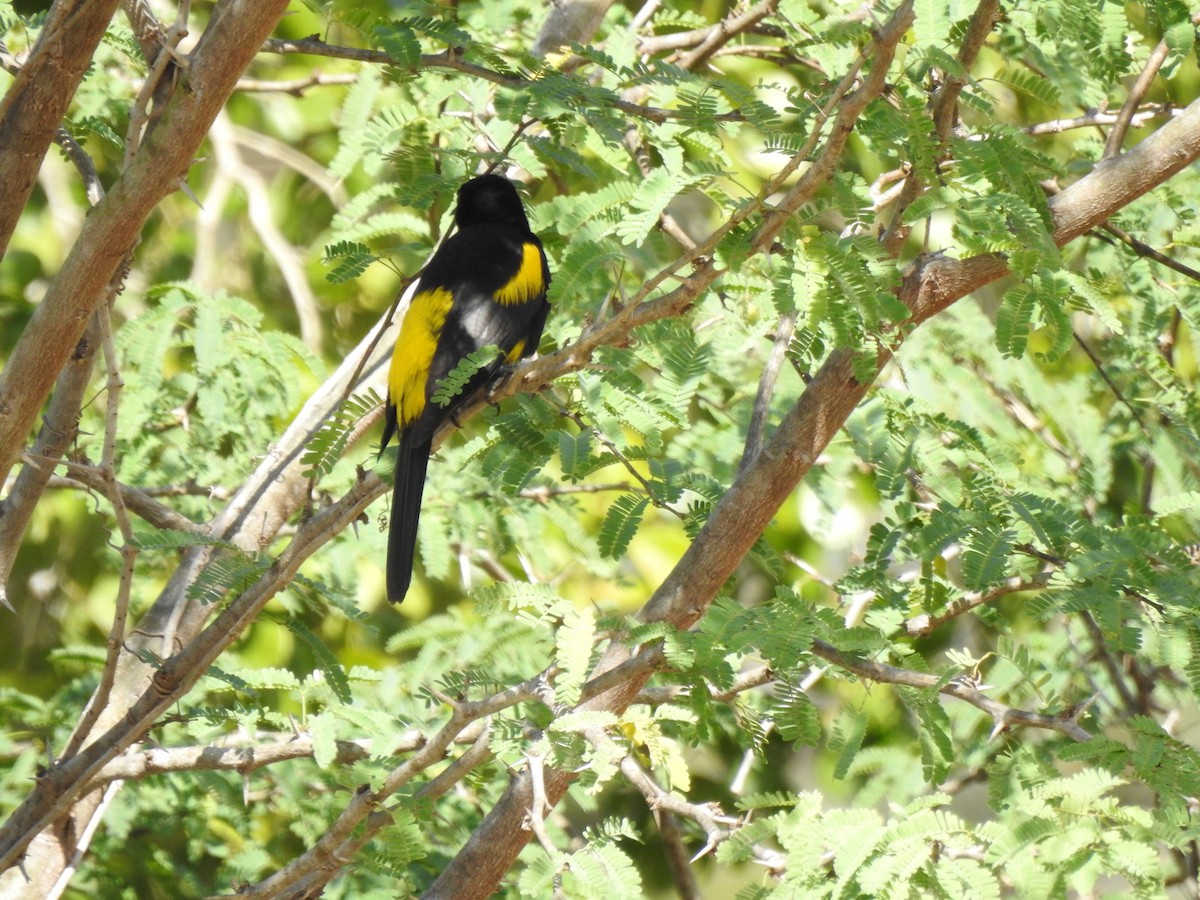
59 427
1004 717
1116 137
453 60
139 501
110 232
243 760
944 113
569 22
724 31
766 388
1102 117
933 284
924 624
30 114
128 550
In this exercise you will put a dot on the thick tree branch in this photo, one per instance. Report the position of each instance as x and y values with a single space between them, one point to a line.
569 22
932 285
59 427
110 232
31 111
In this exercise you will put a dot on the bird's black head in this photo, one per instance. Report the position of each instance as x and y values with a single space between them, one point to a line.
489 200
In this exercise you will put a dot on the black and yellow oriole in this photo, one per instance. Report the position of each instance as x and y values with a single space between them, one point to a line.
486 285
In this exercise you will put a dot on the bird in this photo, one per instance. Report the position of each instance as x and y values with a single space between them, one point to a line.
485 286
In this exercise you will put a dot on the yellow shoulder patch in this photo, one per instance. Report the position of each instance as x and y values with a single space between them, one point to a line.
413 355
527 283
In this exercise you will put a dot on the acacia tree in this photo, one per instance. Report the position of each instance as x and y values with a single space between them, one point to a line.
772 517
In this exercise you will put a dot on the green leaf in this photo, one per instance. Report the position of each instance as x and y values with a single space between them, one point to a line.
621 524
796 718
352 257
321 727
573 643
986 556
1030 84
328 664
846 739
328 445
653 195
1014 321
1187 502
456 381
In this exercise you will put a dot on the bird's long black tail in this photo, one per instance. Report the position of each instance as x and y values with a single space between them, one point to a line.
412 461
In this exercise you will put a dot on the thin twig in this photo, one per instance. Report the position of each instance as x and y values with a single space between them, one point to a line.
924 624
1098 363
745 681
479 751
295 86
128 550
612 448
1004 717
535 761
1141 248
543 493
92 186
138 501
644 15
451 59
724 31
849 101
1100 645
161 74
1147 113
686 884
944 113
1116 137
83 842
240 759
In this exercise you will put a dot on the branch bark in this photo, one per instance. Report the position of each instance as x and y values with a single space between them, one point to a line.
932 285
111 231
277 490
569 21
109 234
35 105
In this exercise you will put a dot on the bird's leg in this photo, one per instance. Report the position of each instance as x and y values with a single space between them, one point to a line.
500 377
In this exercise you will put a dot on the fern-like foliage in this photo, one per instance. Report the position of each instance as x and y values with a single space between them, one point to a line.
352 257
621 523
456 381
329 443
